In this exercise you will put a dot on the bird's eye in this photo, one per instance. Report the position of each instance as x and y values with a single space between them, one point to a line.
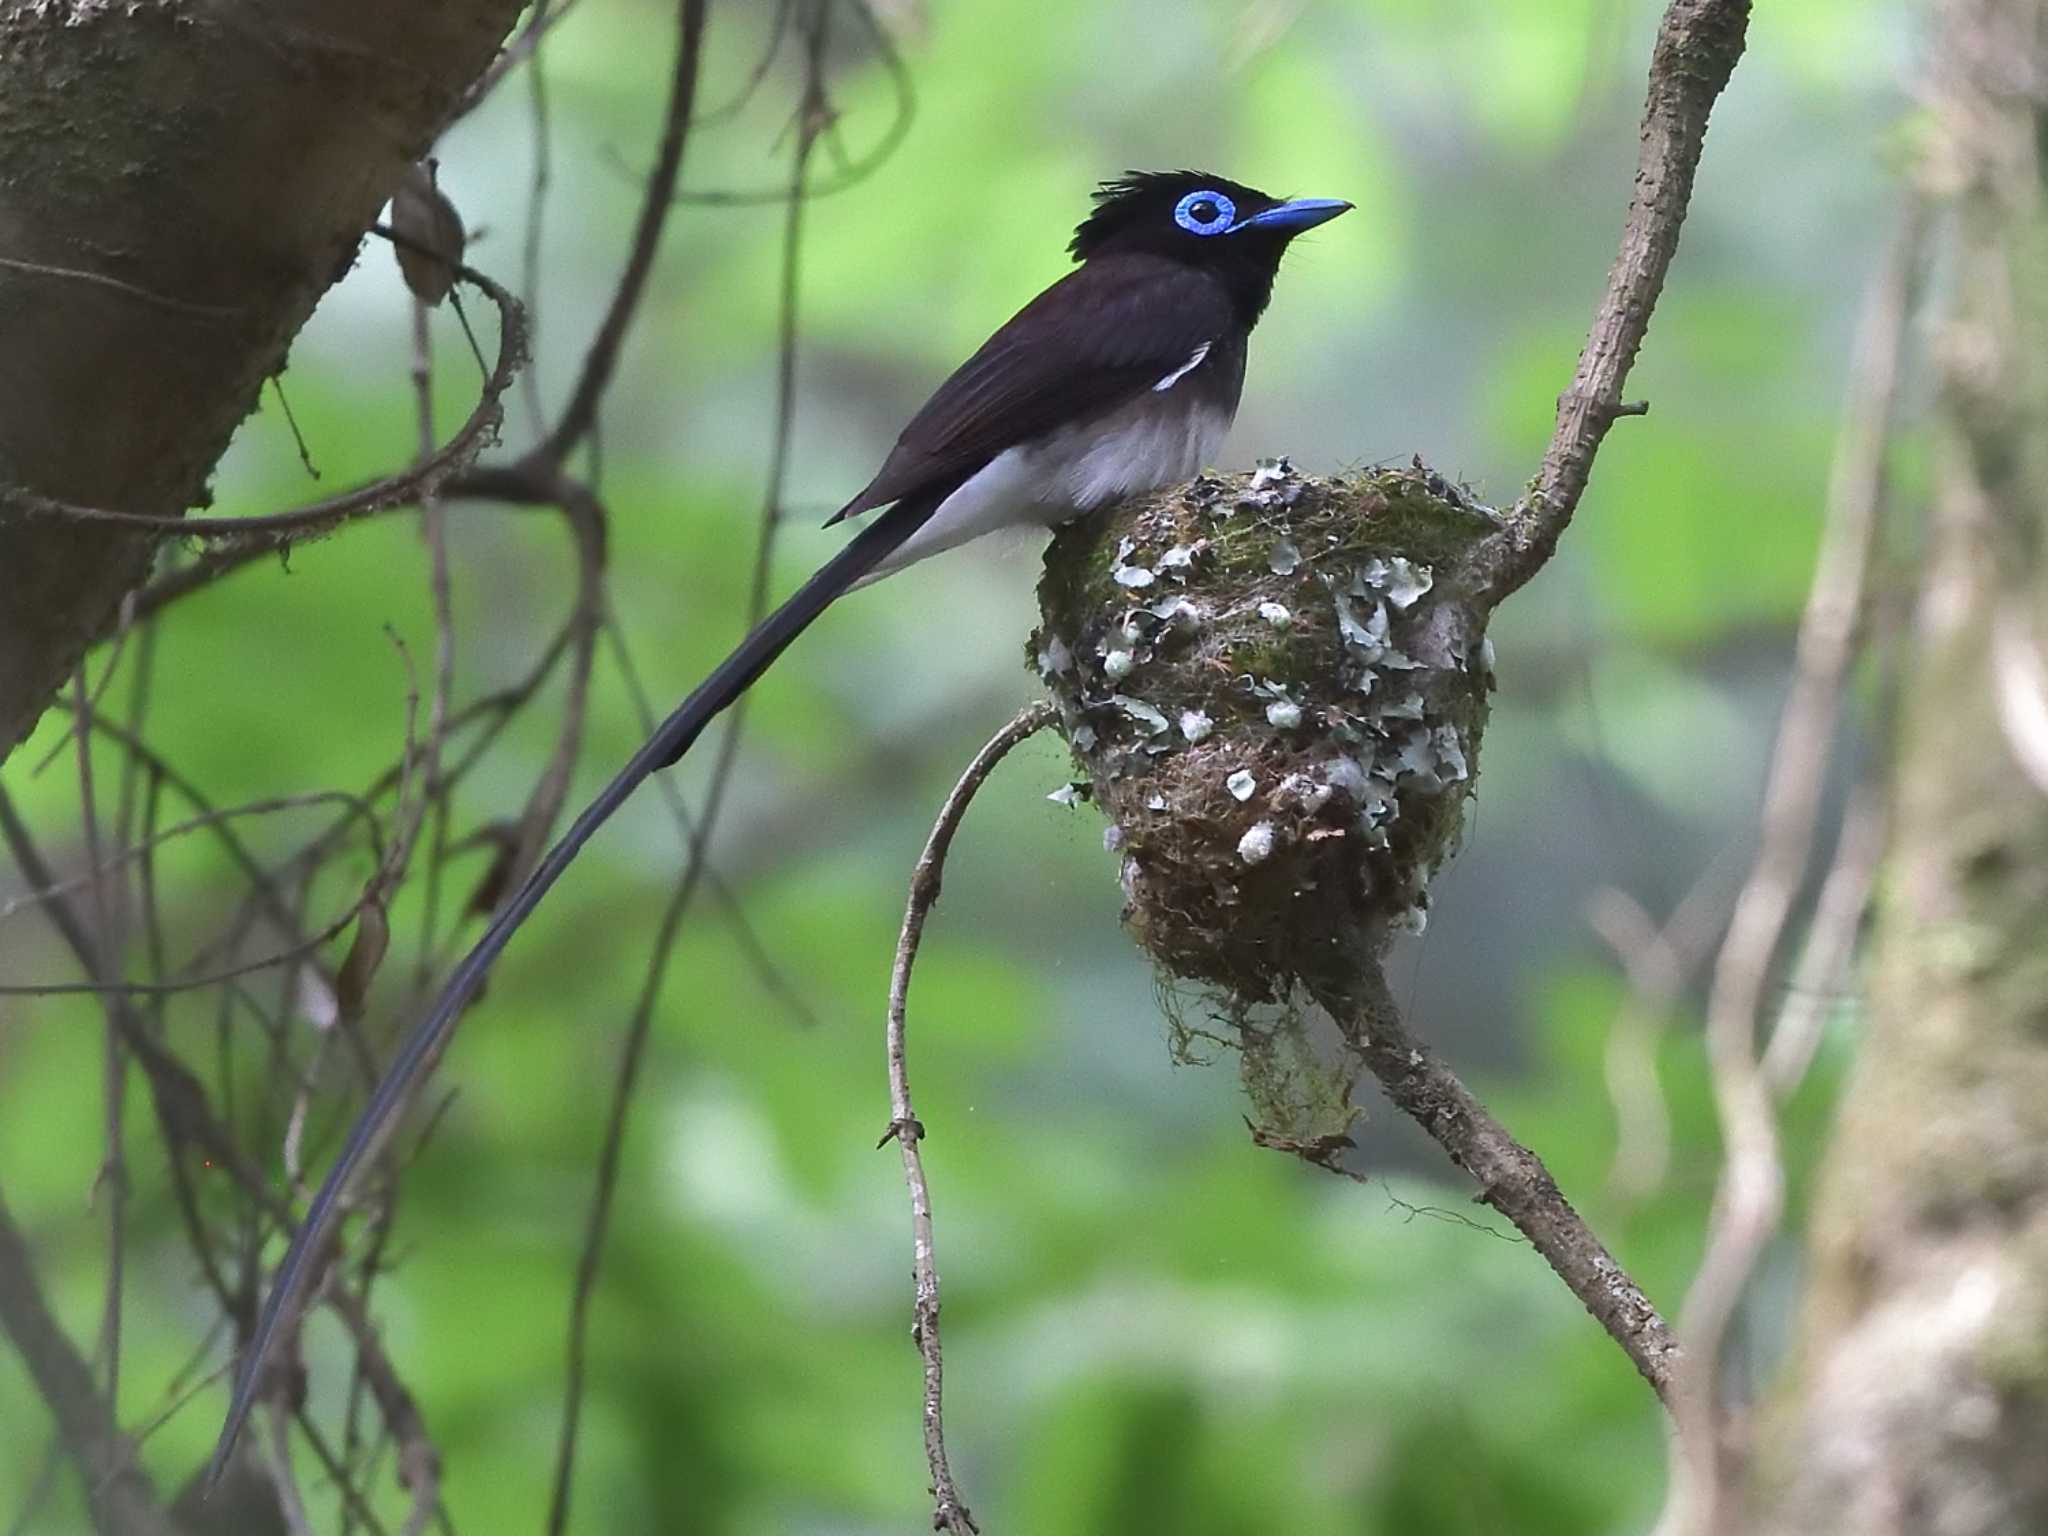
1205 213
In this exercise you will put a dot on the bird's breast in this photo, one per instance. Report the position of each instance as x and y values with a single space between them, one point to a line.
1164 436
1159 439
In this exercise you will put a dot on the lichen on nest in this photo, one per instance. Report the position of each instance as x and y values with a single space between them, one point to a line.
1275 687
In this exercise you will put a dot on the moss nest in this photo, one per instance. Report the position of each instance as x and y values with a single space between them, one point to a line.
1275 687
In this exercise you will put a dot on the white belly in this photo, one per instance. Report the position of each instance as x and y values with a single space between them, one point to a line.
1154 441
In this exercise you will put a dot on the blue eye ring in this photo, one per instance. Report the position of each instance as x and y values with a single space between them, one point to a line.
1222 216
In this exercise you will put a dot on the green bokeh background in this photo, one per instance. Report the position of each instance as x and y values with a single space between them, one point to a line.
1150 1324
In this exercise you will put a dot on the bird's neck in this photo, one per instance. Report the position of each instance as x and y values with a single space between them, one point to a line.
1250 289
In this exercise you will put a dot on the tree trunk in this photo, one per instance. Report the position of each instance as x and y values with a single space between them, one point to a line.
180 180
1921 1401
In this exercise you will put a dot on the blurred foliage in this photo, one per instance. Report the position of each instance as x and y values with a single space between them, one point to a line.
1150 1324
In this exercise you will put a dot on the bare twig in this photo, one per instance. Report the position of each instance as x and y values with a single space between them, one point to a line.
253 536
1817 979
536 215
1659 962
124 625
210 819
1697 47
1750 1194
753 948
1698 44
277 1461
585 516
113 1173
598 1225
180 1100
1511 1178
852 170
440 588
698 862
117 1491
523 46
248 537
777 30
186 1119
298 950
949 1510
419 1461
581 412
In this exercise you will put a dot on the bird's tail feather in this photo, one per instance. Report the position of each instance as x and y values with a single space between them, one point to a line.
423 1044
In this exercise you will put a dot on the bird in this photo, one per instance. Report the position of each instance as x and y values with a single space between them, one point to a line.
1121 377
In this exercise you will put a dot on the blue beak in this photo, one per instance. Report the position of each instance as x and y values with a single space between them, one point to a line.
1295 216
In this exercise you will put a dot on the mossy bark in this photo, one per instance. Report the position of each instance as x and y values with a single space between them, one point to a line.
1920 1397
180 180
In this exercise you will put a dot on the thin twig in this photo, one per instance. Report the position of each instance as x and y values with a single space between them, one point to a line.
212 819
419 1462
250 538
587 522
276 530
597 1229
1750 1195
124 624
536 213
1818 978
177 1094
949 1510
113 1172
1698 44
118 1492
354 1506
187 1119
753 948
440 588
777 30
298 950
277 1461
605 1187
1511 1178
526 45
1659 962
581 412
852 170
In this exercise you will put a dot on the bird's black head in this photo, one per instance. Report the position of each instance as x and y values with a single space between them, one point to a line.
1223 226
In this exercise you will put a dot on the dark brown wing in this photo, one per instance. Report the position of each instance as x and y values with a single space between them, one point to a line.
1101 335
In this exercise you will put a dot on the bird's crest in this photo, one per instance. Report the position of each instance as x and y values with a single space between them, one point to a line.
1138 196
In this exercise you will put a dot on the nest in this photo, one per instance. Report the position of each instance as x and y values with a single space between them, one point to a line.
1275 687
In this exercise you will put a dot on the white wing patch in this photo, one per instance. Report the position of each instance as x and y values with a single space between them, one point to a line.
1194 361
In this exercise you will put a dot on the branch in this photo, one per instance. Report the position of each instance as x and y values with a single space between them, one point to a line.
118 1492
249 538
279 138
1749 1197
1697 46
517 50
581 412
1511 1178
949 1512
186 1118
697 865
1658 961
